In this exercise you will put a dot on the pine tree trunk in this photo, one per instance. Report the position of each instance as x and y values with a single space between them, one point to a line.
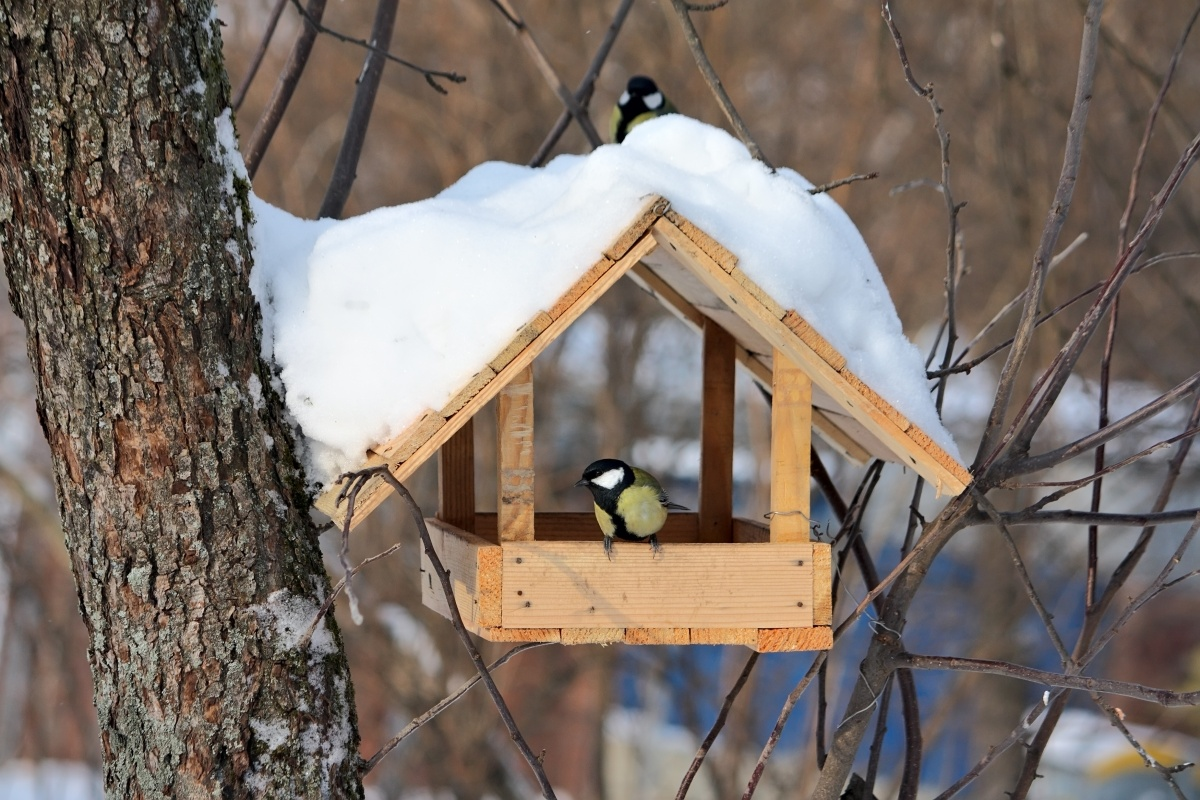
124 235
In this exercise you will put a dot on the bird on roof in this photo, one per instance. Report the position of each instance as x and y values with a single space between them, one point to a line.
640 101
630 503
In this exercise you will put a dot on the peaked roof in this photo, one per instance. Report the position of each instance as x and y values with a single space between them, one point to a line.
697 278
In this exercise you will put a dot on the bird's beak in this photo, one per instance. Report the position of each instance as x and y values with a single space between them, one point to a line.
581 482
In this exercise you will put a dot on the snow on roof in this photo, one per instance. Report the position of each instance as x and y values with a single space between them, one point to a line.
374 319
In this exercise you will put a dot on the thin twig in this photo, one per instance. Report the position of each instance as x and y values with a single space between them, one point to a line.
345 169
777 731
876 749
1078 517
543 64
431 75
1027 582
825 187
257 58
337 589
1162 697
583 94
717 725
714 83
535 763
1001 747
285 87
1064 193
443 704
1115 718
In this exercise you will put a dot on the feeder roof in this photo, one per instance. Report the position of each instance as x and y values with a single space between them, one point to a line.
393 328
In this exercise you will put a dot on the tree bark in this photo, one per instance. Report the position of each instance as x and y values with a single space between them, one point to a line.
124 226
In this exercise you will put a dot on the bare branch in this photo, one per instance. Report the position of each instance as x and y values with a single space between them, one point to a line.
543 64
285 87
992 440
825 187
1165 772
1100 518
443 704
1105 434
345 169
535 764
784 713
257 58
584 93
710 76
1162 697
1026 582
717 725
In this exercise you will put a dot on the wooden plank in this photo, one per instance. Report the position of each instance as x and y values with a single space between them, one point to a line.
754 290
581 526
819 344
657 636
829 379
514 448
822 584
715 250
579 287
493 634
791 443
374 494
716 436
665 293
786 640
526 334
592 635
747 637
475 575
574 585
652 209
403 446
464 395
456 479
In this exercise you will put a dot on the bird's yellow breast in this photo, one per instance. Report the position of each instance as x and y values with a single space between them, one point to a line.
643 512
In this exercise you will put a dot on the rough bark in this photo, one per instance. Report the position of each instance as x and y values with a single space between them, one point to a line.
124 231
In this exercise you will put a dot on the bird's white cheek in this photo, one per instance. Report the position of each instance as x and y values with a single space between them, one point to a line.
624 99
653 101
608 480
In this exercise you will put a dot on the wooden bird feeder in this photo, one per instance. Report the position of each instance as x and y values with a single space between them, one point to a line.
521 575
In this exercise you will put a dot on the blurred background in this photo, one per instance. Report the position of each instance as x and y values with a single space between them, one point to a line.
821 89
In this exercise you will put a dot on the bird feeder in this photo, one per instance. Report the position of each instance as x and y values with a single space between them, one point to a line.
524 575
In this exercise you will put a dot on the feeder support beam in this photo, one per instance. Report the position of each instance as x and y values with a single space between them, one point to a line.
791 442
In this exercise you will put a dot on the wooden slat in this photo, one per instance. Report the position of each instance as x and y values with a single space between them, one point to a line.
456 479
814 340
526 334
652 209
657 636
514 448
716 436
715 250
791 443
403 446
592 635
581 526
787 640
934 466
573 584
747 637
493 634
748 531
374 493
475 574
839 439
464 395
822 584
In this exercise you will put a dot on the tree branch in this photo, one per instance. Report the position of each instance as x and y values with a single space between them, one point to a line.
717 725
345 169
682 7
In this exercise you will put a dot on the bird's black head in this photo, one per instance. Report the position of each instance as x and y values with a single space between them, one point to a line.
641 95
606 477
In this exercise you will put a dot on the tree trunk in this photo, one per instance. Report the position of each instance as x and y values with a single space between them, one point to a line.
123 219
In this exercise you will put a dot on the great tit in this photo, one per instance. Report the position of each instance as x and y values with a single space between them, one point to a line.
630 503
641 101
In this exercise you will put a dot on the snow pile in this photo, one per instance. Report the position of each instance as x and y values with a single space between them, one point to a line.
374 319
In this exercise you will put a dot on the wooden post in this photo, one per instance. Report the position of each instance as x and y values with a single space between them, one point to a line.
456 479
791 440
716 435
514 448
